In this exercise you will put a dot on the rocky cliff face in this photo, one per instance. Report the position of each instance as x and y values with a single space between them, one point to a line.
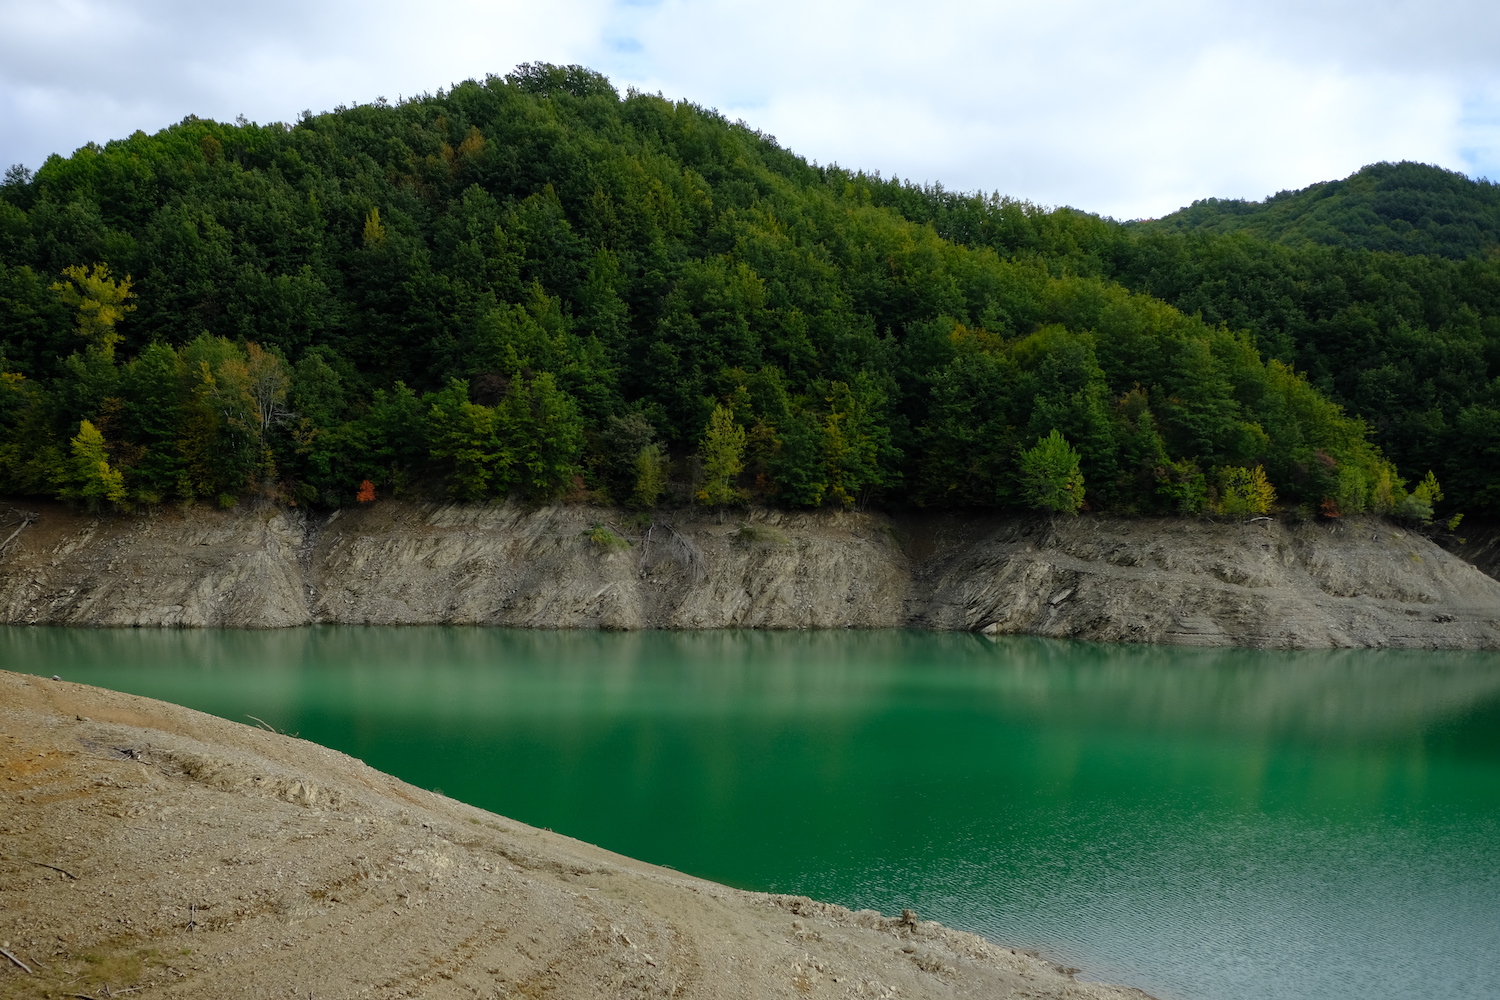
1264 583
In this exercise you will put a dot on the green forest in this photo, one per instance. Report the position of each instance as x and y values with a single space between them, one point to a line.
534 287
1409 208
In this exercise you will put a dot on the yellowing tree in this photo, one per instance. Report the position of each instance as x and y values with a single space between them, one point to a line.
650 476
723 452
92 480
374 231
100 302
268 382
1244 491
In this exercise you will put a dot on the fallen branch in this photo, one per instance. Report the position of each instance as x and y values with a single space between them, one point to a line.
646 549
55 868
25 520
19 964
263 724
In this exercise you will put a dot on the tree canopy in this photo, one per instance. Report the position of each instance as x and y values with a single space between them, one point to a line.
1410 208
1408 343
535 286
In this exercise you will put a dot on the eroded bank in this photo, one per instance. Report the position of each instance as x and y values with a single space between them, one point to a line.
1263 583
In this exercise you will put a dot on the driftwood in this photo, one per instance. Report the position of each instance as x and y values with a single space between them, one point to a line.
26 517
677 547
55 868
18 963
264 724
39 864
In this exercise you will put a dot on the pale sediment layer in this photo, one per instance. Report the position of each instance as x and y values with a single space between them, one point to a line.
150 848
1265 583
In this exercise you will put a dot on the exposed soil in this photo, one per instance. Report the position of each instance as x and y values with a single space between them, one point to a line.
1263 583
147 849
1477 541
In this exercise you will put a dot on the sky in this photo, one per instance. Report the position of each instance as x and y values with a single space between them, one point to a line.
1128 109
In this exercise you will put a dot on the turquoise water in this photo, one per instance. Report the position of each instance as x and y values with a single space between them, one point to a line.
1201 824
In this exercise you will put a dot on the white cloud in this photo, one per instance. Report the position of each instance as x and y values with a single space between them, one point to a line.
72 71
1127 109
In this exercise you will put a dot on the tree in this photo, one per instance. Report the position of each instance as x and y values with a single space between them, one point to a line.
619 444
268 384
92 480
395 436
99 301
29 461
1416 506
723 454
152 391
1181 487
650 477
374 231
220 436
850 445
1351 492
1050 477
800 465
542 436
463 437
1244 492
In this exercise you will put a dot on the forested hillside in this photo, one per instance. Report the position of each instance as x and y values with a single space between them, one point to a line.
535 287
1405 207
1409 343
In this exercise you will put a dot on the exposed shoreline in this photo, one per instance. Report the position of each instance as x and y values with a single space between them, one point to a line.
1266 583
150 846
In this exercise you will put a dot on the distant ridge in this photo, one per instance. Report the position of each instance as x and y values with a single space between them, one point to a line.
1406 207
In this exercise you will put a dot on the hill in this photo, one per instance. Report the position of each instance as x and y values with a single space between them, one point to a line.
536 287
1409 343
1410 208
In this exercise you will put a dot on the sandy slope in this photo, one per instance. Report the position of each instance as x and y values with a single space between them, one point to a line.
150 848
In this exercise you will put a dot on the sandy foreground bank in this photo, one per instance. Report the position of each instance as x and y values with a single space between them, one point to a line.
150 848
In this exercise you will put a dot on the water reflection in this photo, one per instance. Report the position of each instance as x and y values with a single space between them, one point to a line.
1321 693
1202 823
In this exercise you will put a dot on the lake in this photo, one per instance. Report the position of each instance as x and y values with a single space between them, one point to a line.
1203 824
